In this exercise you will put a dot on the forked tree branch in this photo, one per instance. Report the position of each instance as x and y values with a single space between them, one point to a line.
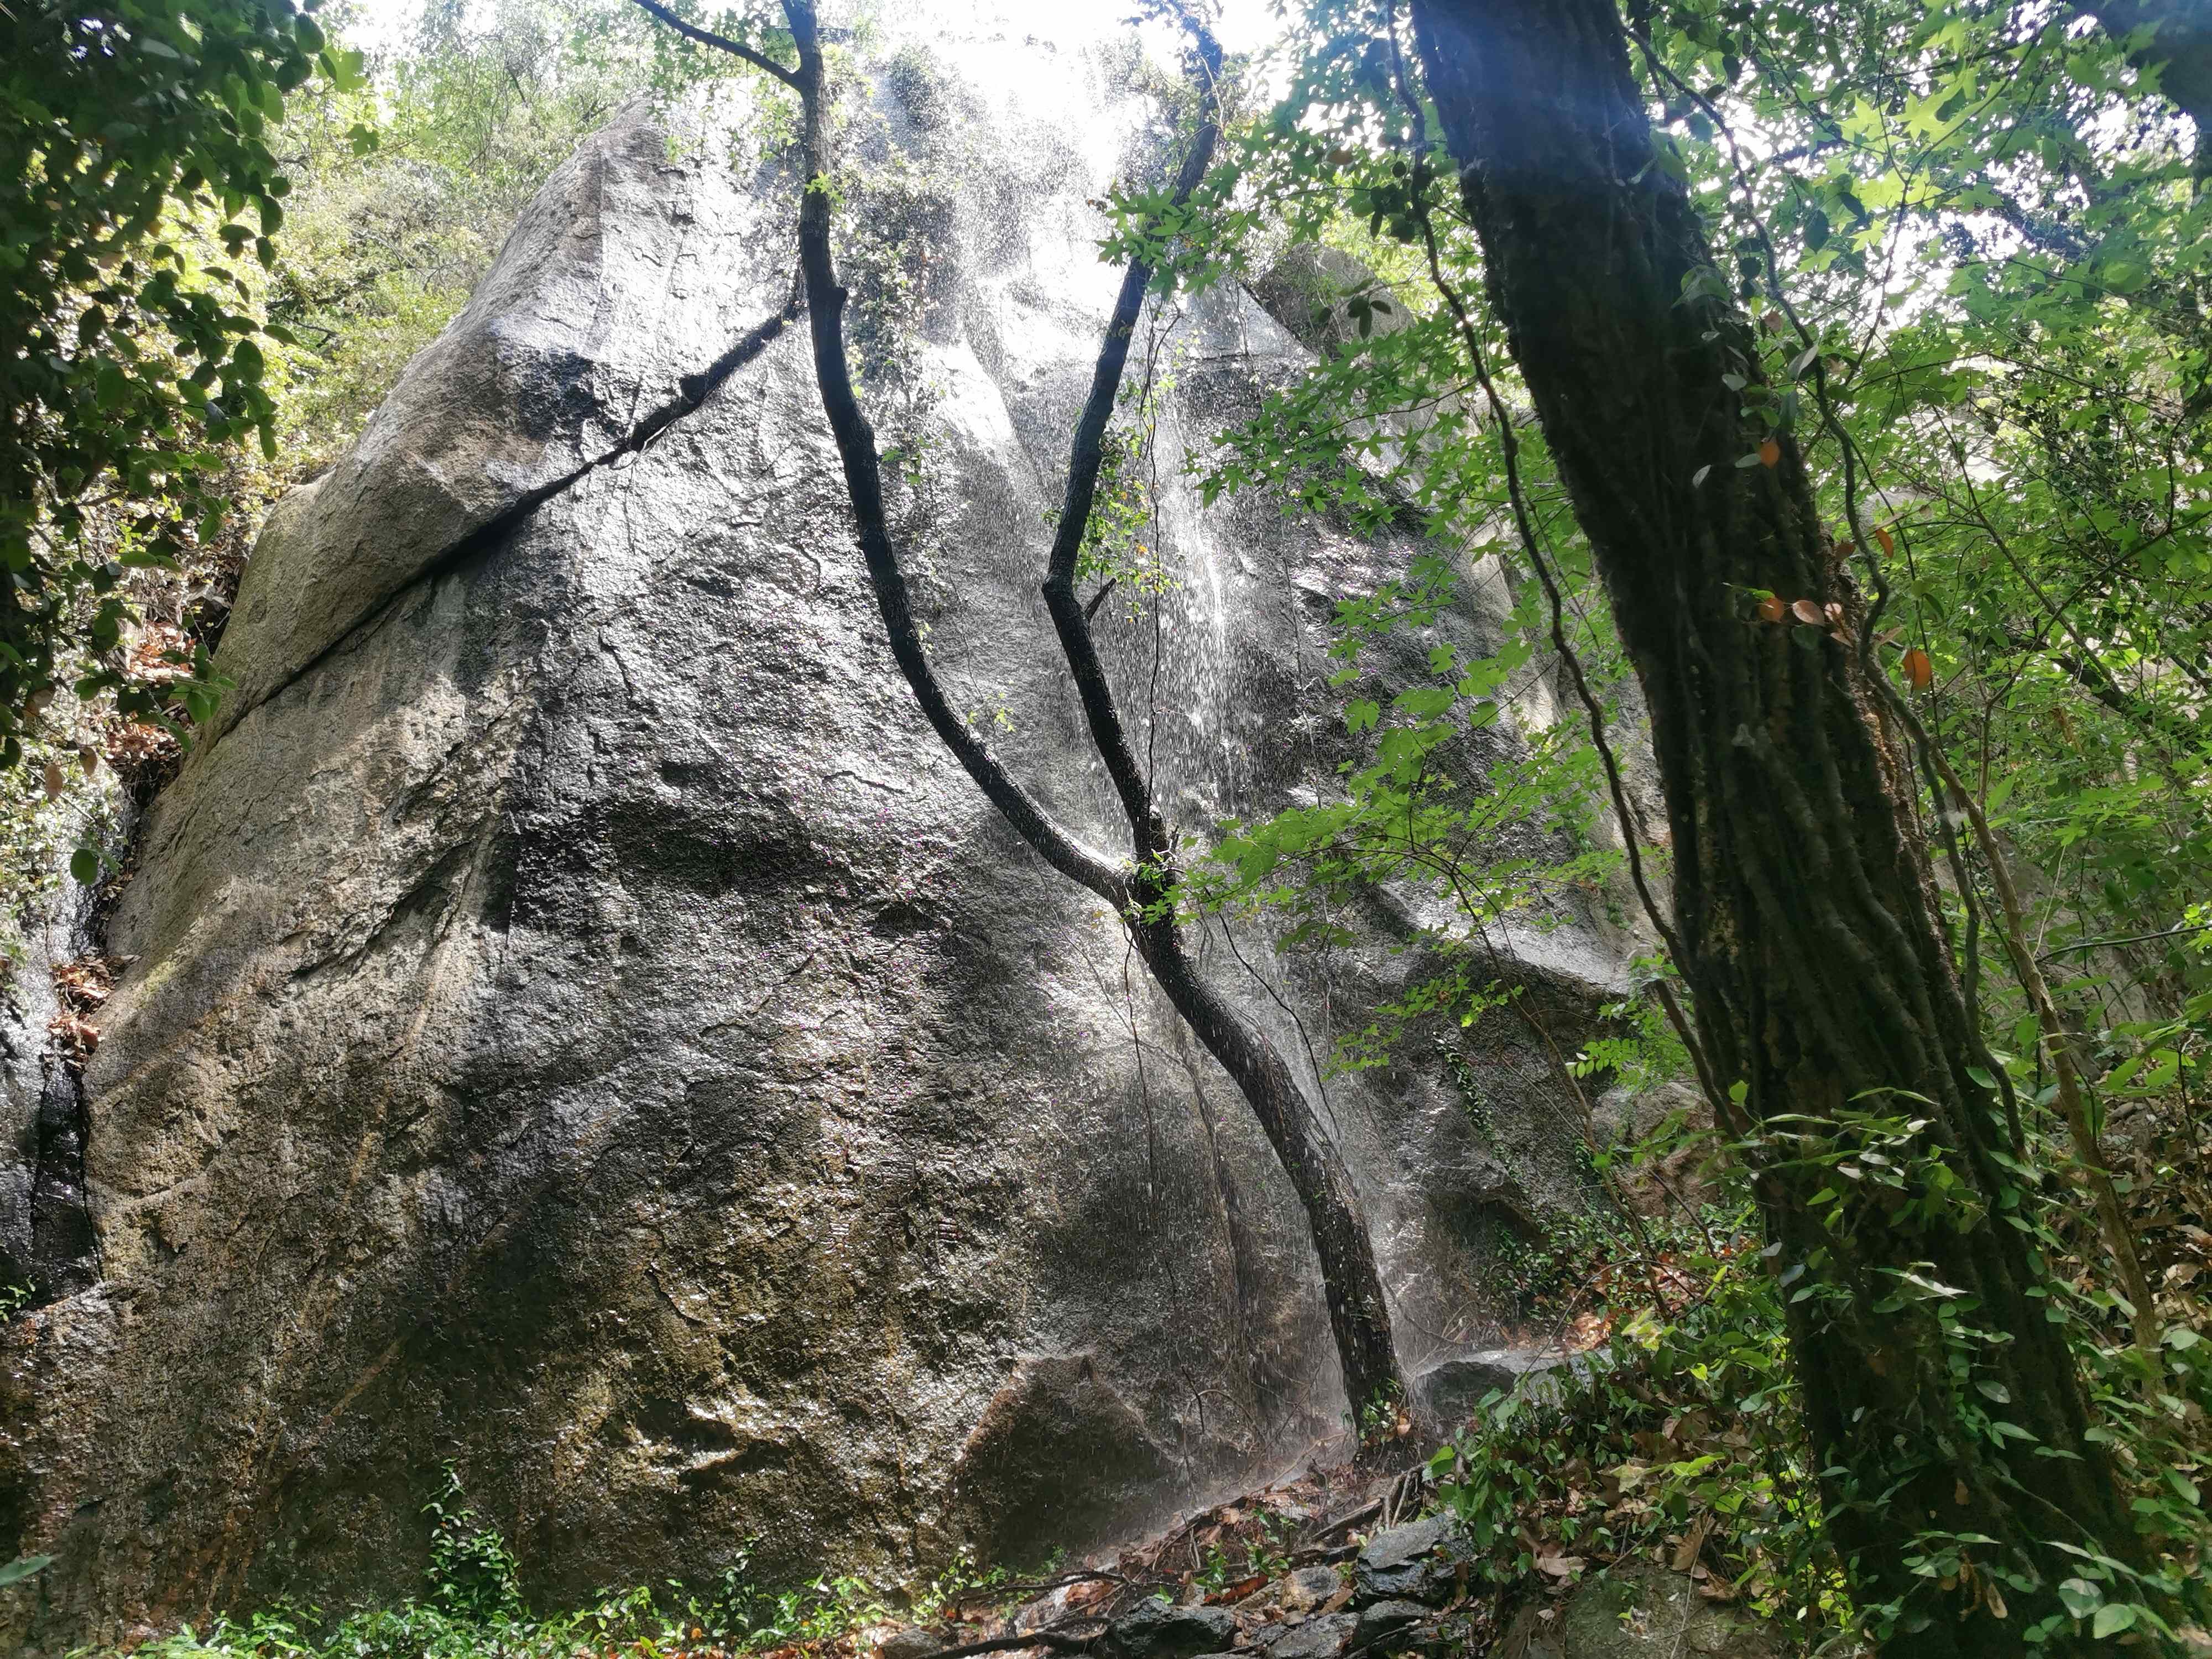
722 43
1087 454
1359 1315
864 484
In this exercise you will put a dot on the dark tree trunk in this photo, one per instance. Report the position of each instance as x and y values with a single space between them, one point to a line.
1803 902
2181 47
1358 1312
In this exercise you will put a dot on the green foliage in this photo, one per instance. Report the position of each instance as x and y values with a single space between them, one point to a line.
472 1574
24 1566
1571 1267
473 1609
135 173
1261 1550
476 1616
1382 1418
1990 231
1972 234
1452 794
1686 1421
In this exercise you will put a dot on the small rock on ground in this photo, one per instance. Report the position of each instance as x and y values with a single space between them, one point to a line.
1415 1562
1380 1620
1451 1390
1324 1637
1157 1630
1307 1589
909 1642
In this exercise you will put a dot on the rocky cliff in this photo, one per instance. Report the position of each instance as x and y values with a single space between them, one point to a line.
576 1022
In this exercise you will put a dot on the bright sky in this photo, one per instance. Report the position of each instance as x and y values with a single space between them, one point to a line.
1245 25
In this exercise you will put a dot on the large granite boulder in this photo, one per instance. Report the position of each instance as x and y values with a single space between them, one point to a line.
579 1025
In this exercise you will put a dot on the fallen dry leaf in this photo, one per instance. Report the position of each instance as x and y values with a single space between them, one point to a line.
1238 1591
1693 1543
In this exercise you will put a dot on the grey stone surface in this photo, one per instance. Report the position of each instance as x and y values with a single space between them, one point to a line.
1382 1621
1449 1391
584 1028
910 1641
27 1007
1315 1639
1417 1562
1308 1588
626 276
48 1247
1157 1628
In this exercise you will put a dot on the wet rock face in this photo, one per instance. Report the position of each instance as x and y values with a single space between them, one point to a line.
48 1246
580 1025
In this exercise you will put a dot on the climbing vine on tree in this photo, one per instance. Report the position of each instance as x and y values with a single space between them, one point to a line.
1872 392
1830 417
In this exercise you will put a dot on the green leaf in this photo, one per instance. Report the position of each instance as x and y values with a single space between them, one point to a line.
2111 1619
1423 702
24 1566
2079 1597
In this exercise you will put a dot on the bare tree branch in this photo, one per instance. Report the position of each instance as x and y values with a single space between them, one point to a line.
1087 454
864 484
721 43
1359 1315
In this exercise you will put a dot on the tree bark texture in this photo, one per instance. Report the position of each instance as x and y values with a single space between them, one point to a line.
2180 48
1802 895
1143 891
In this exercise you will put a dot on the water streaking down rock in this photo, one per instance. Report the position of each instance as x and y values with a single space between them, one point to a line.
582 1026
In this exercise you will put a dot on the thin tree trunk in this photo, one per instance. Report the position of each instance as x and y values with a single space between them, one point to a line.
1146 896
1803 902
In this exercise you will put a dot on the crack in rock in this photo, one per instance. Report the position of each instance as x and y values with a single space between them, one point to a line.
694 390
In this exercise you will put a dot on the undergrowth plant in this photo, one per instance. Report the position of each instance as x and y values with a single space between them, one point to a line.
1680 1433
1681 1437
473 1606
1264 1553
